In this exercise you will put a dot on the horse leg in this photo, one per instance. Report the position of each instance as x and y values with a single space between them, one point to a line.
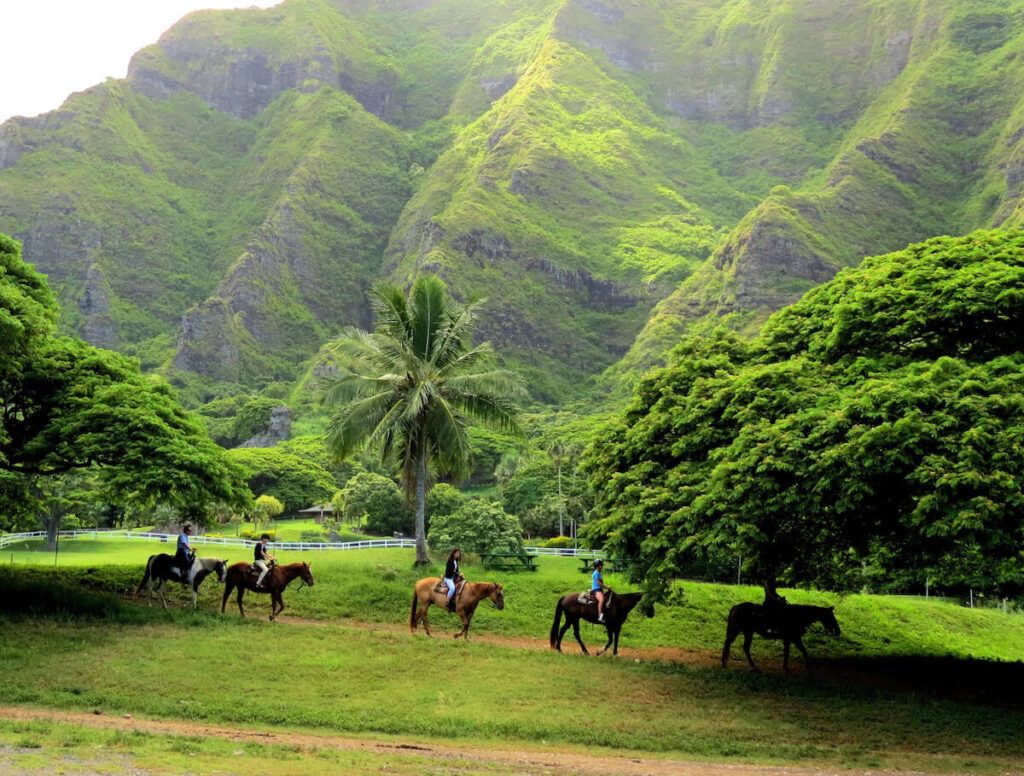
803 650
576 633
423 618
730 637
785 655
195 597
615 649
604 649
228 587
280 604
561 633
465 624
160 590
241 592
748 637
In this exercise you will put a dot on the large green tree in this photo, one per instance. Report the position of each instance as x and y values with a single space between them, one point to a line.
411 387
296 481
872 430
67 406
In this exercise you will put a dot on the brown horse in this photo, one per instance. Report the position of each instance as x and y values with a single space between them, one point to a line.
241 576
616 609
466 601
788 622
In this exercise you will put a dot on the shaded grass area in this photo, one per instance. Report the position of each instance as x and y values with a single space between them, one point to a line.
376 586
370 681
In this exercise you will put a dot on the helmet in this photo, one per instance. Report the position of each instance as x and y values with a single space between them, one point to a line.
598 562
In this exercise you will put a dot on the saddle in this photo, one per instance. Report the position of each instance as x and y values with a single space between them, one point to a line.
587 598
442 588
254 571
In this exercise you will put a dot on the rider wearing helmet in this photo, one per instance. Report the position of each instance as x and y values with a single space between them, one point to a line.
184 557
262 558
451 575
597 587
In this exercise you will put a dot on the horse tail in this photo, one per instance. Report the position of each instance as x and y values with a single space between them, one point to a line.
147 576
558 621
412 612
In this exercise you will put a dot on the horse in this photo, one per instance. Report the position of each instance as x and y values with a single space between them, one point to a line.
466 601
788 622
241 576
616 608
161 568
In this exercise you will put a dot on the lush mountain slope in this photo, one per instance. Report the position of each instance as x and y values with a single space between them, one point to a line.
939 151
222 210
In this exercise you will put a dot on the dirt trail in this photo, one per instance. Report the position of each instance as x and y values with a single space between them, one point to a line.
526 761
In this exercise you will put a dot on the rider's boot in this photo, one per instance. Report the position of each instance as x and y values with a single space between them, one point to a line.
451 604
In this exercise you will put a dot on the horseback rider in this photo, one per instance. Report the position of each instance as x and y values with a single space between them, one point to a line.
452 576
184 557
597 587
774 608
262 558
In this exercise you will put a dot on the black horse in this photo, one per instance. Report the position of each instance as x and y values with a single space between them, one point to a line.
788 622
616 608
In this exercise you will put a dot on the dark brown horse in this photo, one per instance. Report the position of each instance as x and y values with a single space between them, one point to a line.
788 622
616 608
241 576
425 594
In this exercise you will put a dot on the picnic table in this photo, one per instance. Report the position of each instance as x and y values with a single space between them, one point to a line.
510 561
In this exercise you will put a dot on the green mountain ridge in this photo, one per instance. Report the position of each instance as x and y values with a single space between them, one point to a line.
607 172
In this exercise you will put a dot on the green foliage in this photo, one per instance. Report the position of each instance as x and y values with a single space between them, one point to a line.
532 480
296 482
477 526
870 433
266 508
374 503
410 388
443 499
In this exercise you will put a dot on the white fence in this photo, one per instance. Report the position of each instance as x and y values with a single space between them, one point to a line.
6 540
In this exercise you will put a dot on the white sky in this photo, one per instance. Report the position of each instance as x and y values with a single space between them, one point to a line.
51 48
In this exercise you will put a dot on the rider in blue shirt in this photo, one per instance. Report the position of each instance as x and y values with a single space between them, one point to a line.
597 587
184 556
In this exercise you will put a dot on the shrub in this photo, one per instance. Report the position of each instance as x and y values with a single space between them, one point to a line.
376 500
477 526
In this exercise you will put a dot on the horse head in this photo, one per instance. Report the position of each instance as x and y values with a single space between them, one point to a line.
828 620
306 574
221 567
497 596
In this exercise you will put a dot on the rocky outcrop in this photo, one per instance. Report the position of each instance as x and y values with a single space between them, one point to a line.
207 341
244 81
278 430
99 327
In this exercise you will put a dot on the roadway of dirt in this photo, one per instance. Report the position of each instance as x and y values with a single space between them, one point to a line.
520 761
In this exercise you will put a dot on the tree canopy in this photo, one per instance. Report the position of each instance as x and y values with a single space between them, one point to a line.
295 481
66 405
872 431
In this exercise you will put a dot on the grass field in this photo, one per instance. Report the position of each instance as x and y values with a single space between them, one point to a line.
896 690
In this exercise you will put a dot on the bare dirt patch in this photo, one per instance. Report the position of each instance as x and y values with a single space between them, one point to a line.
525 761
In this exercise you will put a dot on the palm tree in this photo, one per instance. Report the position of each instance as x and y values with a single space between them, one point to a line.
411 387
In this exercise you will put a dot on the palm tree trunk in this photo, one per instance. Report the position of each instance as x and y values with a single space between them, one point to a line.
422 559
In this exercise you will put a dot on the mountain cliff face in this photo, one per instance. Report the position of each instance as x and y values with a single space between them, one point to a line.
607 172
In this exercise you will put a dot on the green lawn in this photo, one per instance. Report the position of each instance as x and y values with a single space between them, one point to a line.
884 698
376 585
